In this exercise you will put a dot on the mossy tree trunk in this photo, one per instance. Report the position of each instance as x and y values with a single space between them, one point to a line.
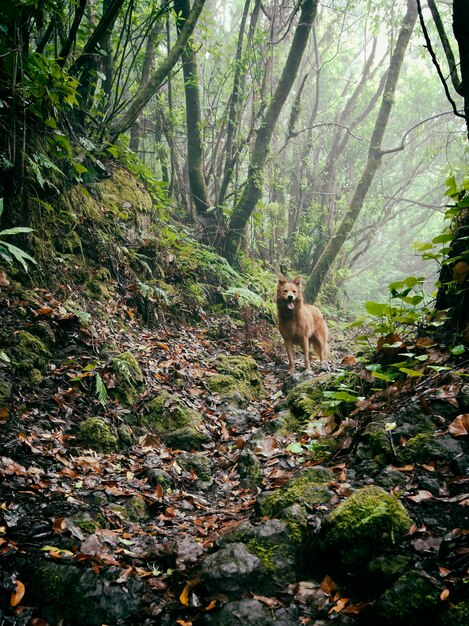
331 251
195 153
253 188
461 32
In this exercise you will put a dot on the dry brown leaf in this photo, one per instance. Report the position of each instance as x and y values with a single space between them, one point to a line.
17 595
339 605
444 595
212 604
270 602
460 426
328 585
421 495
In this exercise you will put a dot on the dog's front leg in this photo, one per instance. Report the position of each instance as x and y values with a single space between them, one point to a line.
305 348
291 357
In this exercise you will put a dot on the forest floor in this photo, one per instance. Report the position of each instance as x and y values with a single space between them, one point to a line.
129 528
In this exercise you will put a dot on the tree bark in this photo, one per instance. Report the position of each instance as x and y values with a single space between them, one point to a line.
195 153
253 188
123 123
460 28
336 242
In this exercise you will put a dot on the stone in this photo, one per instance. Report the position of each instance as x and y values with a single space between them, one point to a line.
186 439
129 378
309 488
411 601
95 433
232 570
365 524
252 612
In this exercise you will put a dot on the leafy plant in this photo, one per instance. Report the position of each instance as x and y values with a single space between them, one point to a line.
10 252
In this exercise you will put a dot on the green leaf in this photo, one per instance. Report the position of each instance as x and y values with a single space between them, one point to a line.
15 230
18 254
444 238
410 372
294 447
101 390
458 349
376 309
78 167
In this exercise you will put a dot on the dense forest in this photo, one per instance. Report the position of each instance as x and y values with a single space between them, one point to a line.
166 168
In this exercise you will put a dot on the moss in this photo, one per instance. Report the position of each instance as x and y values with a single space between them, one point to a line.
129 378
237 379
366 522
167 413
411 600
96 284
30 357
309 488
304 400
95 433
88 525
186 439
264 552
323 448
457 615
200 465
420 449
5 391
384 570
123 195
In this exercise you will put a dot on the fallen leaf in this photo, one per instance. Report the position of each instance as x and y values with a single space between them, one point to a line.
270 602
460 426
328 585
339 606
420 496
444 595
17 595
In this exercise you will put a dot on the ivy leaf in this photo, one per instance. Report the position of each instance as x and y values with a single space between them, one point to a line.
376 309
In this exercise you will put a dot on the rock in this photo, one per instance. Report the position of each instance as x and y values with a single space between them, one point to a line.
239 420
464 397
158 476
129 378
201 466
80 597
275 542
411 601
232 570
385 570
30 357
308 488
366 523
186 439
249 469
5 392
254 613
167 413
95 433
237 380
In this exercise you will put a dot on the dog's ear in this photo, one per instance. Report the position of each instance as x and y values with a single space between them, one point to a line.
282 279
297 280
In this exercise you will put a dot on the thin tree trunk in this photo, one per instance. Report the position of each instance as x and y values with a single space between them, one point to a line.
336 242
123 123
195 155
253 189
460 26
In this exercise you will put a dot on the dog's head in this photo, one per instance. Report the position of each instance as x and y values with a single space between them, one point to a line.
289 292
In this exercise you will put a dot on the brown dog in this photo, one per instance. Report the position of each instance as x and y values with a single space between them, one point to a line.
299 323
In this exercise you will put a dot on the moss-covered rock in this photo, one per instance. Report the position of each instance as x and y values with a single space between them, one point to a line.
5 392
457 615
96 434
199 465
411 601
249 469
421 449
134 509
167 413
309 488
186 439
237 380
368 521
30 357
97 284
129 378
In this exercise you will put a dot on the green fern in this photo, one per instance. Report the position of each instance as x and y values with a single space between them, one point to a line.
101 390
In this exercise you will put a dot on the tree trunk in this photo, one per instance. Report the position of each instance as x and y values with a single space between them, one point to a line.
460 28
195 155
123 123
336 242
253 188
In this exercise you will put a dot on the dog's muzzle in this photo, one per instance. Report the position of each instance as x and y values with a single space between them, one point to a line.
290 302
